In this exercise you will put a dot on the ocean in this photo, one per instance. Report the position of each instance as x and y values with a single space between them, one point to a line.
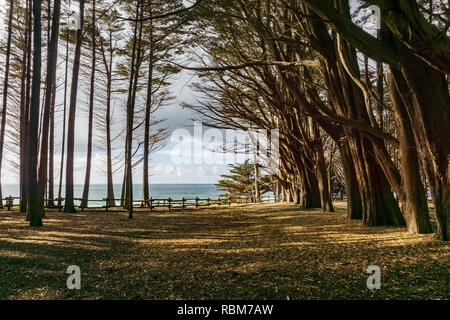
157 191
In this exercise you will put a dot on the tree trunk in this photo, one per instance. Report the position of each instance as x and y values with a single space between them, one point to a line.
135 62
85 198
378 203
5 93
380 89
414 202
354 202
321 169
69 201
283 195
61 170
325 197
148 108
311 190
52 57
256 178
124 183
427 105
51 159
35 209
429 112
109 172
23 125
26 116
288 195
296 194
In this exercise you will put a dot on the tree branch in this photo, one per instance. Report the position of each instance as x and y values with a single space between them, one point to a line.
308 63
360 39
164 15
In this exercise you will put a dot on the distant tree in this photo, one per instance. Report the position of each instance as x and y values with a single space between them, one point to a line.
241 181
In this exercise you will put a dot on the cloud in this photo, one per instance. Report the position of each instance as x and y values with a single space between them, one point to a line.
163 169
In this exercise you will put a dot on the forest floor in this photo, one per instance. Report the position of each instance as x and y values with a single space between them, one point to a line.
268 251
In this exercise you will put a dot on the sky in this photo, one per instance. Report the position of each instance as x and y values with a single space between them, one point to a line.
163 169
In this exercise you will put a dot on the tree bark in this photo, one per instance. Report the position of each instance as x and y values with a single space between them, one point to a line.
429 111
87 179
108 63
354 202
414 202
51 156
35 209
26 115
148 111
63 144
69 201
135 63
52 57
420 57
5 92
256 180
321 169
23 124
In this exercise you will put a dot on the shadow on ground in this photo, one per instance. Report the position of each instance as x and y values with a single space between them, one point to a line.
270 251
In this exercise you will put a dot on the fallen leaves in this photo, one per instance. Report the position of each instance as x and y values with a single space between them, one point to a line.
270 251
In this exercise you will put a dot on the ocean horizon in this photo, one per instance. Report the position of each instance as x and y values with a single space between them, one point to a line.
157 191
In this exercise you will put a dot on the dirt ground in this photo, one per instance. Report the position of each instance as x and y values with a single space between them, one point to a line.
269 251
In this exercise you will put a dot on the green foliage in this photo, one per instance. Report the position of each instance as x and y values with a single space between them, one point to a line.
241 180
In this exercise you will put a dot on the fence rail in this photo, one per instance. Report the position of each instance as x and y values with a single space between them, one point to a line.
151 203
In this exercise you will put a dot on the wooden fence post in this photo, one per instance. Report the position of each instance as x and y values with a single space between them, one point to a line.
106 204
151 204
9 202
170 201
184 203
208 202
82 205
196 202
60 204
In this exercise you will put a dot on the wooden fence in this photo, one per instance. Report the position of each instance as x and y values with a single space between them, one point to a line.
151 203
